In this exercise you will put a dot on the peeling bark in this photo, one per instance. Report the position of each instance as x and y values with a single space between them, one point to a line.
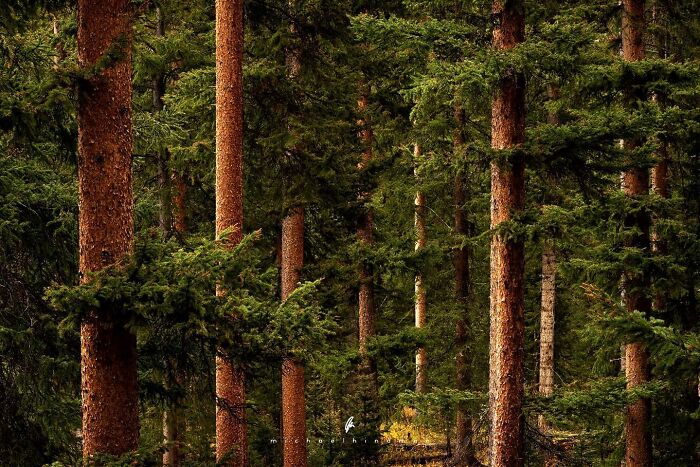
231 428
108 350
420 297
506 347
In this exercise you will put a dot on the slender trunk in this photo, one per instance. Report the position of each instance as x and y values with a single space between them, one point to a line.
294 451
636 184
171 436
548 298
659 173
171 455
420 305
293 400
549 270
158 86
659 185
60 54
506 354
108 350
231 428
365 234
463 443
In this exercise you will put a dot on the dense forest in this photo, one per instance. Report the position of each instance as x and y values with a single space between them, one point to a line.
349 233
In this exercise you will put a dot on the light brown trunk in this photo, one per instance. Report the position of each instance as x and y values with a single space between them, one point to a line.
420 304
636 184
231 429
171 436
60 54
293 400
549 270
108 350
548 299
463 446
506 347
366 312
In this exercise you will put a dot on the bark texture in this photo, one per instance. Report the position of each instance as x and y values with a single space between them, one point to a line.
231 430
635 183
171 436
420 297
294 451
548 299
464 428
549 270
108 350
506 347
293 400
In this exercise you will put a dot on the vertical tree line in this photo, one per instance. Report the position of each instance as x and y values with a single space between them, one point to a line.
413 174
506 364
231 429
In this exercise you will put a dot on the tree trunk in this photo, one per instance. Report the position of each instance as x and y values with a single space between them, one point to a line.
659 173
548 299
108 350
165 216
293 400
420 305
294 451
464 428
231 429
635 184
549 270
365 234
506 347
171 436
171 455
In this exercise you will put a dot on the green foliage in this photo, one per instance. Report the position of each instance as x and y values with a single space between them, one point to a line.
417 63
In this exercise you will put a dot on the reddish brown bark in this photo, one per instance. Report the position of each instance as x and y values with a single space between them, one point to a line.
293 399
108 350
635 183
506 353
294 451
231 430
420 297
